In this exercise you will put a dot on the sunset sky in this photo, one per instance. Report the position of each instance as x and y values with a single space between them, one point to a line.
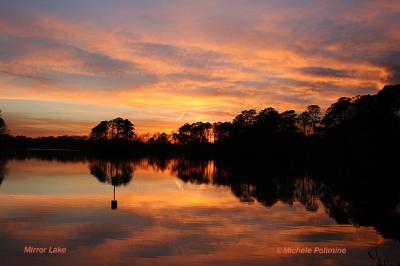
66 65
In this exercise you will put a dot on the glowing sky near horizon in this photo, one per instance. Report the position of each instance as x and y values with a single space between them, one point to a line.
66 65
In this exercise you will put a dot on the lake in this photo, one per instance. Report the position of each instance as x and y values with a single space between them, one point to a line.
152 211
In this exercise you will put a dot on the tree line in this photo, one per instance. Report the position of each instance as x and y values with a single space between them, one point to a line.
350 119
267 121
360 117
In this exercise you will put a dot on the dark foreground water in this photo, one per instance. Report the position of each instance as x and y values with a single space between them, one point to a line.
182 212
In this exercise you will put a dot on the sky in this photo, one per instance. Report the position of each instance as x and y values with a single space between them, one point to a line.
66 65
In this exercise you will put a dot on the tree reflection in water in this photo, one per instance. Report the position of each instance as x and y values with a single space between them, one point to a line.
353 196
3 170
116 173
350 196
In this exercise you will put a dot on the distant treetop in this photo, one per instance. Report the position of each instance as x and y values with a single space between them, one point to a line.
118 128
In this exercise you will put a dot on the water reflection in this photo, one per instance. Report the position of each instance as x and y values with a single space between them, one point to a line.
115 173
183 212
3 170
350 199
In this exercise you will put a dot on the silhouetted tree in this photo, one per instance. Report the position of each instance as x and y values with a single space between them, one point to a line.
308 120
158 138
364 109
184 135
337 112
163 139
366 127
288 122
3 128
268 120
152 139
100 131
117 128
315 116
245 118
389 99
222 131
127 132
201 132
198 132
304 123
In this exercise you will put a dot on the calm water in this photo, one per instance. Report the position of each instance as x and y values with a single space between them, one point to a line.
177 212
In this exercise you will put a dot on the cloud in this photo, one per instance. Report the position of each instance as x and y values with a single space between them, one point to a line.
28 76
325 72
21 50
188 57
216 92
192 76
391 61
